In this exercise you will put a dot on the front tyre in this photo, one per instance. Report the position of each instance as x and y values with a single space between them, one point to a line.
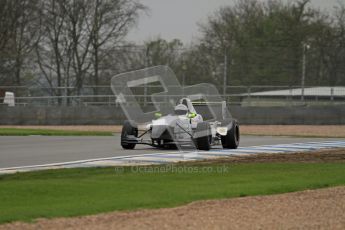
203 136
232 139
128 129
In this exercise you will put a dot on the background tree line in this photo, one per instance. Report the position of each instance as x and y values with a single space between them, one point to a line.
64 45
61 43
263 43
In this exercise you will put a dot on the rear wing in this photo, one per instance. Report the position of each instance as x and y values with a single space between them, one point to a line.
219 107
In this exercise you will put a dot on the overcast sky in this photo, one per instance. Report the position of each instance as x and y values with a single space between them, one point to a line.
171 19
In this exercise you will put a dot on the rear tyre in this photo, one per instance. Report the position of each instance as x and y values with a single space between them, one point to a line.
169 145
232 139
128 129
203 136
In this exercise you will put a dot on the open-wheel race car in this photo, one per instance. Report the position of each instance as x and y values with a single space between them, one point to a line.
182 127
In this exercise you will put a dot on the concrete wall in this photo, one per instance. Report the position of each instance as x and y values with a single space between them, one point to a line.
326 115
60 115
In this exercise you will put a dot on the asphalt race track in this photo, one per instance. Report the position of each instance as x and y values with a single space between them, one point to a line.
37 150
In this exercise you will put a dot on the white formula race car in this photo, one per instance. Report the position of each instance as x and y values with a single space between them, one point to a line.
184 127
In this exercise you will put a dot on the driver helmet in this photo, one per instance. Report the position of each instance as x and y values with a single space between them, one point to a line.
181 110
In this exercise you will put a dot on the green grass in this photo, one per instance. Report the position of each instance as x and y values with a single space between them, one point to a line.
75 192
47 132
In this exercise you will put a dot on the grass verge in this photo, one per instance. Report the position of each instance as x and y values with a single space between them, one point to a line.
307 131
48 132
76 192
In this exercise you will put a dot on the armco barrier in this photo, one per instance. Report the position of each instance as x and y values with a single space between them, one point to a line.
99 115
